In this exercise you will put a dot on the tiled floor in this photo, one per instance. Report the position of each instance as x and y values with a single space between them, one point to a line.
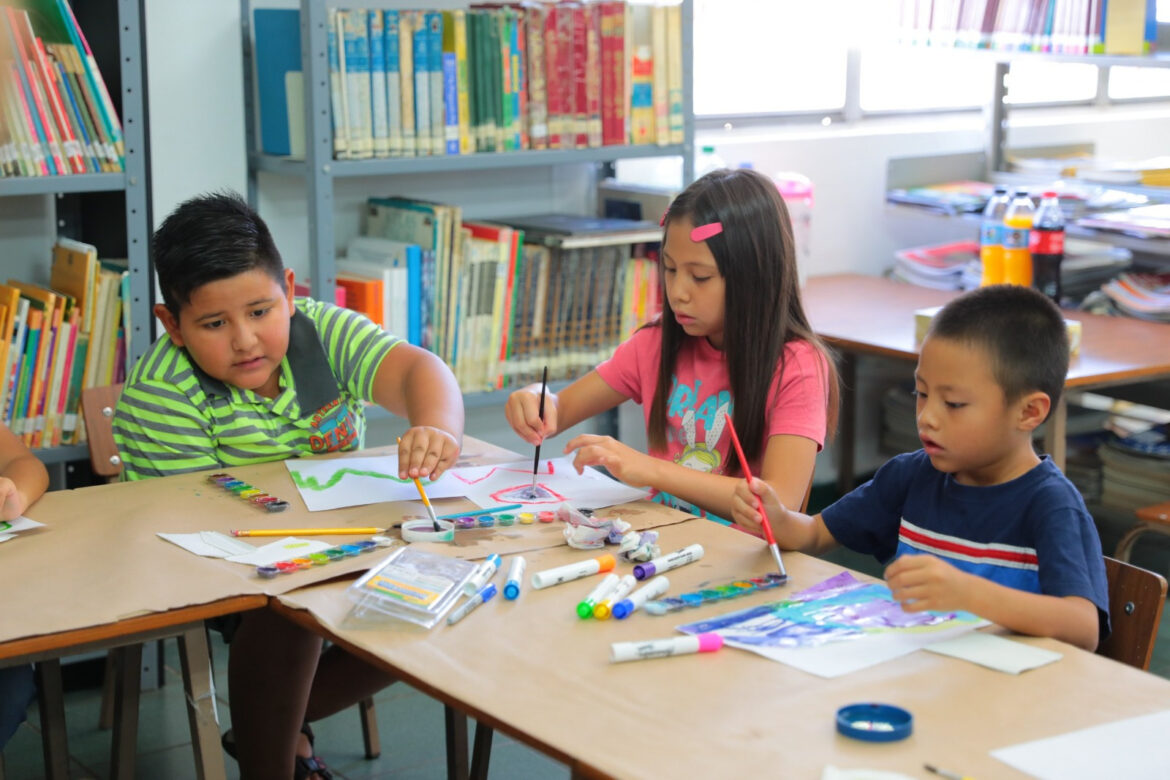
411 724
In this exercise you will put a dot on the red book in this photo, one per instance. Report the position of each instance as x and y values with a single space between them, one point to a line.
552 80
580 76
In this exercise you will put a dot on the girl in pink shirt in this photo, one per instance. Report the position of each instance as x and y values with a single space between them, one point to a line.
733 338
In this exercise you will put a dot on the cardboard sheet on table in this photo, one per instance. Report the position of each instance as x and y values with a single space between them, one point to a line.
533 665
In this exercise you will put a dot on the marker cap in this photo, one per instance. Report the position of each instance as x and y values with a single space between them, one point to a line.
602 611
606 562
512 591
584 610
709 642
622 609
644 570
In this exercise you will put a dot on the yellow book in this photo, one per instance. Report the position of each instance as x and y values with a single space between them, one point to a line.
75 273
659 58
455 31
1125 27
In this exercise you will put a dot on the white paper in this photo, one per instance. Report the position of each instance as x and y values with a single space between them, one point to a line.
6 537
557 482
838 658
1134 748
21 523
995 652
210 544
333 483
282 550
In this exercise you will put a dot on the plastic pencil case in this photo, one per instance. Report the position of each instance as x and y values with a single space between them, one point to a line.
719 593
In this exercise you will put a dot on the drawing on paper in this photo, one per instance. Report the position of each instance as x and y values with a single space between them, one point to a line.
557 482
333 483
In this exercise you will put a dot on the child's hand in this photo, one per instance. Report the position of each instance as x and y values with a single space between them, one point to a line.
624 463
523 413
925 582
744 511
426 452
12 502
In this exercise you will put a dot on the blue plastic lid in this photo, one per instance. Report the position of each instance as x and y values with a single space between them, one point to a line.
872 722
511 590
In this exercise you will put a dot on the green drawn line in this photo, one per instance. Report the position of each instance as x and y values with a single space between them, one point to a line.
311 483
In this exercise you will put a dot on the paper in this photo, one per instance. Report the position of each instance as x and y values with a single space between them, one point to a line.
333 483
210 544
282 550
557 482
995 652
835 627
6 537
10 527
1134 748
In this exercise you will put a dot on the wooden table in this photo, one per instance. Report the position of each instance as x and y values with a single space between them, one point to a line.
869 315
533 669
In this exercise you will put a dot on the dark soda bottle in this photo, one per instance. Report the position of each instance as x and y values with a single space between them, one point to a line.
1047 245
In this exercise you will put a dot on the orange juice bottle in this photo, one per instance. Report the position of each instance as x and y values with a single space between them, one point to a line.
991 238
1017 229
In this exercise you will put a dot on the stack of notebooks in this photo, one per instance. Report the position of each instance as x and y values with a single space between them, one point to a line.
494 78
1146 296
1150 221
500 300
952 266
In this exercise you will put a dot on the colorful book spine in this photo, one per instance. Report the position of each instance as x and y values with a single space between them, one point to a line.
393 82
376 35
337 103
435 82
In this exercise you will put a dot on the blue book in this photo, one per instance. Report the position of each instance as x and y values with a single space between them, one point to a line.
393 83
434 23
378 108
422 89
278 51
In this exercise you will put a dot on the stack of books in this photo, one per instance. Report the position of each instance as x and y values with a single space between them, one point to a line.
1142 295
494 78
952 266
1150 221
58 118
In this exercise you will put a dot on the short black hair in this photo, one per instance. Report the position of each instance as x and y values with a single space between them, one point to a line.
207 238
1022 330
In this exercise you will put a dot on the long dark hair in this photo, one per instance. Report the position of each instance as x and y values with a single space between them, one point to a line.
756 257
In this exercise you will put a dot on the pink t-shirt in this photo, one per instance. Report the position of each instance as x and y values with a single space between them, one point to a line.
696 432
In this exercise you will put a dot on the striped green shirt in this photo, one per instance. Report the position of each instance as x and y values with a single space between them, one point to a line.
174 418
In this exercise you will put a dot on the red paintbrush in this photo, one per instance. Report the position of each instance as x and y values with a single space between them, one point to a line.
743 464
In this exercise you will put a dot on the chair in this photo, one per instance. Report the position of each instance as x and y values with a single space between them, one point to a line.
1151 519
1136 597
97 407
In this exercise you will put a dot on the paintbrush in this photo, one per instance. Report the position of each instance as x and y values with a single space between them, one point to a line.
426 501
540 412
743 464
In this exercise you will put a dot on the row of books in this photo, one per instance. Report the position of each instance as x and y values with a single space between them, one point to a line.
500 301
537 75
965 197
60 338
56 115
1148 172
1064 26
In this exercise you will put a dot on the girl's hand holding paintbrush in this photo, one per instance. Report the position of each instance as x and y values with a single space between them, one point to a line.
523 413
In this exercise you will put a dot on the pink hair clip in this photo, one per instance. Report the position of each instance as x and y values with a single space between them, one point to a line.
703 232
662 221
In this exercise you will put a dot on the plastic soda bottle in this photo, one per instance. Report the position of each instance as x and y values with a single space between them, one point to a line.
1017 229
1047 246
991 237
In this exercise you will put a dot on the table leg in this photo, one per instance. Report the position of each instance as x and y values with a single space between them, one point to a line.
846 423
1056 433
51 699
125 743
199 686
456 723
481 754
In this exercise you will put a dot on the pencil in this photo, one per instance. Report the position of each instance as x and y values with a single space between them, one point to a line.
747 474
308 532
536 458
426 501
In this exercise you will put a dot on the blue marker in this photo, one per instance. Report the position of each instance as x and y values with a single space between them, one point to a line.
652 589
464 610
515 578
482 575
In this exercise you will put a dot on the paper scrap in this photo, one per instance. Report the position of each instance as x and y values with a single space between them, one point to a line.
19 524
1131 748
210 544
282 550
995 652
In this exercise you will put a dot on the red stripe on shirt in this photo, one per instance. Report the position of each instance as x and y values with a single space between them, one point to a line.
975 551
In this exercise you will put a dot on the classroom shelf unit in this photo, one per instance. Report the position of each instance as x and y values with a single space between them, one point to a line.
115 29
320 171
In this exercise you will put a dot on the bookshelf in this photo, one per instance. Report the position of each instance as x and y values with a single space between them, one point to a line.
110 210
321 173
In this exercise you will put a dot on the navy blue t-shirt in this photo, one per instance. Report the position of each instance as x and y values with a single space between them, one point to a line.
1032 533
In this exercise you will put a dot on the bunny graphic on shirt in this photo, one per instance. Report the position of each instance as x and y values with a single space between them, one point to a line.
702 456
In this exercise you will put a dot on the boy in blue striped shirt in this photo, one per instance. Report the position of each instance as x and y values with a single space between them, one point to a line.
975 520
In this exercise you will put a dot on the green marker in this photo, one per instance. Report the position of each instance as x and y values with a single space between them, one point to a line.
597 595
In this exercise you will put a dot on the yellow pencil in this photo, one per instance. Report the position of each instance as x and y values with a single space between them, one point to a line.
308 532
426 501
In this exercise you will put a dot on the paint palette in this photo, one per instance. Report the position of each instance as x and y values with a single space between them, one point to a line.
325 556
719 593
253 495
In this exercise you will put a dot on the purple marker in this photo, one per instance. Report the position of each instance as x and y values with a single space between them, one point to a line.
667 562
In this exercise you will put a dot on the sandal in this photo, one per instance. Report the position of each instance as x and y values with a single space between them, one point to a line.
304 769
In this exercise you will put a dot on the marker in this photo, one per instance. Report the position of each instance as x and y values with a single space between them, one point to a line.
607 585
308 532
682 557
515 578
572 571
747 474
465 608
661 648
482 575
651 590
604 607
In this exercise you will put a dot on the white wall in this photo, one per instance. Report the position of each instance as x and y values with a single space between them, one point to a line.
197 144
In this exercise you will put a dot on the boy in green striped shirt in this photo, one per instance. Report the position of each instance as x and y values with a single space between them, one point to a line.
248 374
